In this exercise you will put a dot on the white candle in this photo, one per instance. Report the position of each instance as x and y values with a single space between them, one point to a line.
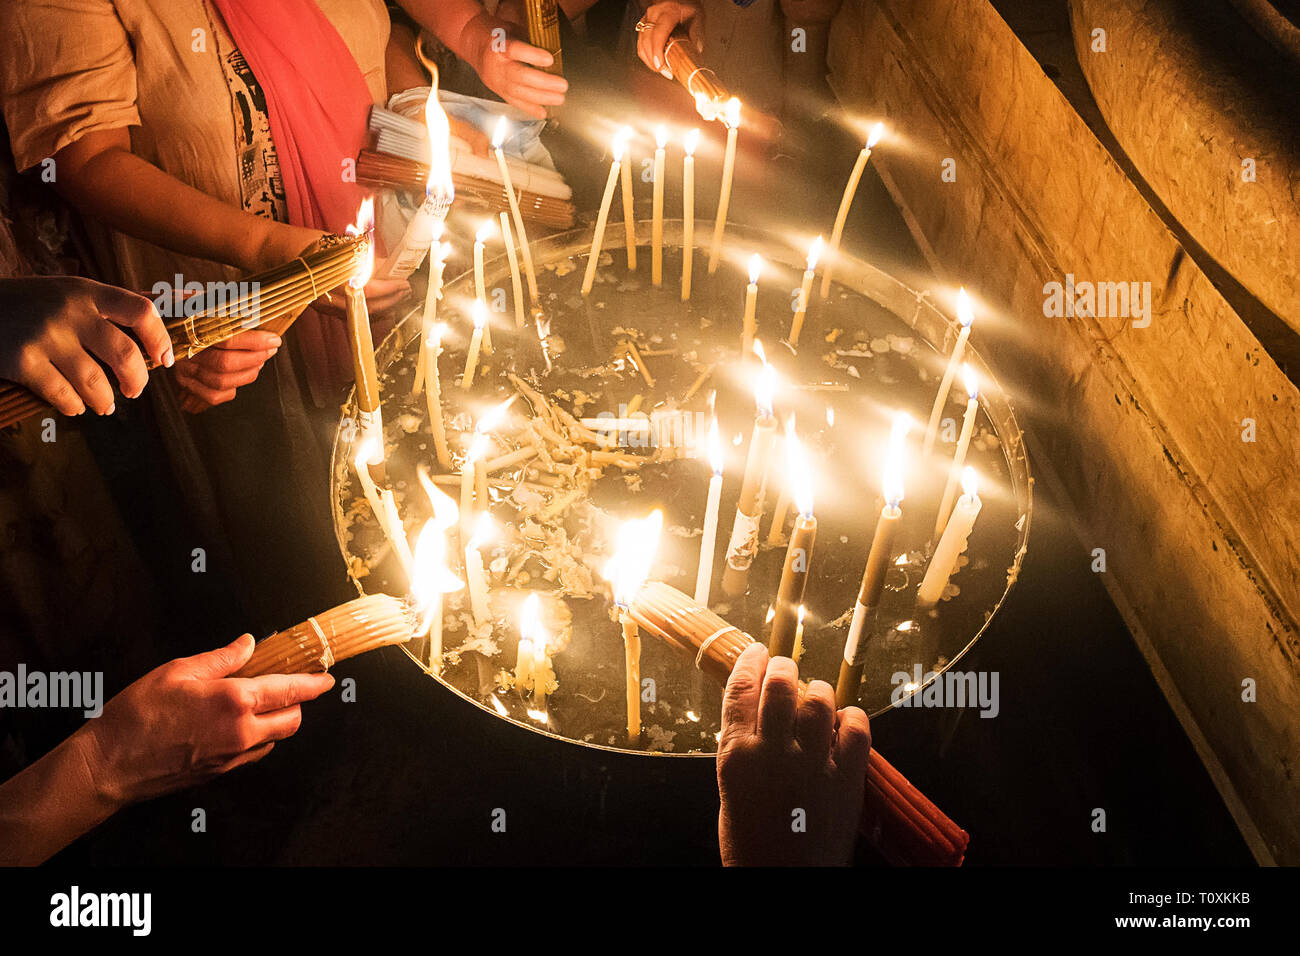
688 211
432 578
475 573
629 201
397 533
499 137
749 325
433 394
965 316
708 541
468 475
732 119
627 571
805 290
963 443
593 259
420 232
480 283
432 295
475 343
516 286
657 210
367 455
845 202
952 544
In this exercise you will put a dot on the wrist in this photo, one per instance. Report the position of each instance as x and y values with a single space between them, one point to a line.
99 781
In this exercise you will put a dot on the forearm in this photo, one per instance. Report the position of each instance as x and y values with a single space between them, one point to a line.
51 803
461 25
137 198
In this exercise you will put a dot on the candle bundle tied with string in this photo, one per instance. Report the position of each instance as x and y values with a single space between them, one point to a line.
318 643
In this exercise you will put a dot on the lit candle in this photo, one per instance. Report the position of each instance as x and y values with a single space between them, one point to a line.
598 237
475 573
798 635
953 543
965 316
842 216
532 664
704 576
776 532
499 137
963 443
749 325
794 574
516 286
744 533
689 144
657 210
426 225
627 571
475 343
368 454
805 290
732 120
369 416
468 469
438 253
480 283
629 201
432 578
397 533
433 393
878 559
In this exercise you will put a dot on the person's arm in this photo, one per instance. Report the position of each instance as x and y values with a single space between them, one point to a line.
785 759
661 20
180 724
53 328
508 66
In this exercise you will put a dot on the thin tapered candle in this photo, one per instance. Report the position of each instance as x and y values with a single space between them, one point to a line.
433 394
732 121
657 210
708 541
369 413
749 324
688 211
956 534
805 290
627 571
480 283
846 201
475 573
499 137
749 512
873 575
629 201
963 444
593 258
798 558
965 317
475 343
516 286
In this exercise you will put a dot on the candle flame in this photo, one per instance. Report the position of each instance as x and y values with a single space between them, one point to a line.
815 253
364 226
618 146
802 611
485 232
433 338
716 458
494 416
691 141
480 313
499 133
446 513
892 483
755 268
771 613
970 482
970 379
965 314
439 183
484 530
732 115
764 384
801 477
369 452
430 576
707 108
628 569
477 448
661 137
530 623
877 132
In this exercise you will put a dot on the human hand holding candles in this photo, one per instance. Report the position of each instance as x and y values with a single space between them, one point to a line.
878 561
627 571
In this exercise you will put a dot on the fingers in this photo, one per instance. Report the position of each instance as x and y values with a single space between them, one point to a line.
278 691
277 725
740 699
255 340
85 375
48 382
657 36
815 721
776 706
533 56
187 377
138 314
120 354
852 743
247 757
211 665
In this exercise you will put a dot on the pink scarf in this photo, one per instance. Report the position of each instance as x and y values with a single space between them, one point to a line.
318 105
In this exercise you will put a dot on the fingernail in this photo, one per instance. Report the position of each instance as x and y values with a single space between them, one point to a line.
111 409
273 353
276 341
170 358
658 65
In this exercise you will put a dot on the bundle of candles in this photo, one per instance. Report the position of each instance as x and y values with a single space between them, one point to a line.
709 94
320 642
907 828
272 299
544 29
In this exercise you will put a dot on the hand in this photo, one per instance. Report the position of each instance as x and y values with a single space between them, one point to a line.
509 67
187 721
211 377
780 754
52 329
666 17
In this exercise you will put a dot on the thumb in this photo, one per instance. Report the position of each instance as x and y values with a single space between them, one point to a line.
222 662
138 314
